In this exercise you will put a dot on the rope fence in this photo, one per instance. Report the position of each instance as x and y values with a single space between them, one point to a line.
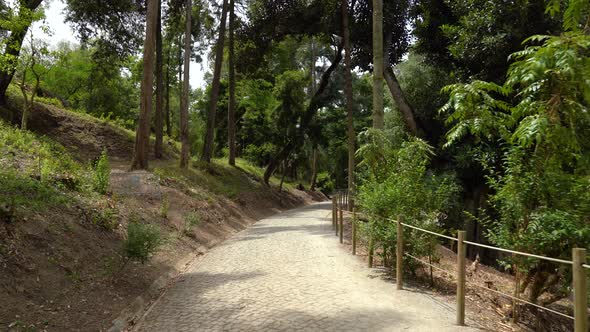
341 200
449 273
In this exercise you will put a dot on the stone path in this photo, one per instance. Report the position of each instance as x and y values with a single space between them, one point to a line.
288 273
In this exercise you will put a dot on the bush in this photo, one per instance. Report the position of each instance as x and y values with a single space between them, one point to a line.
395 182
259 155
102 173
164 207
324 183
142 241
191 220
106 219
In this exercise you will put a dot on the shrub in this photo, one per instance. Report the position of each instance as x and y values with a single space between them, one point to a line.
142 241
324 183
105 219
191 220
164 207
102 173
396 183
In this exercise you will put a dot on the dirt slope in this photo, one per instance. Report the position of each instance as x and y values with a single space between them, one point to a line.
82 134
61 267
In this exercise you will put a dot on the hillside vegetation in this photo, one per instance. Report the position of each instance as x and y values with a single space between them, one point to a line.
69 256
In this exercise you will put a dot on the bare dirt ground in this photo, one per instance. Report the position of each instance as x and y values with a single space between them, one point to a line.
63 272
62 269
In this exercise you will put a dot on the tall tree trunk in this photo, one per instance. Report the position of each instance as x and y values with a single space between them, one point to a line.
142 137
26 103
312 88
400 100
396 92
314 168
208 145
185 149
312 69
378 116
14 44
349 96
231 114
159 122
168 122
314 104
285 168
180 64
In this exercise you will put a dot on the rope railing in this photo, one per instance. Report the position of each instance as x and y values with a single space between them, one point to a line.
578 264
427 231
556 260
521 300
449 273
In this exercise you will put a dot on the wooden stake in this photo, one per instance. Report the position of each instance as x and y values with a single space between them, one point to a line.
341 225
353 231
338 207
580 290
461 252
333 211
399 254
371 249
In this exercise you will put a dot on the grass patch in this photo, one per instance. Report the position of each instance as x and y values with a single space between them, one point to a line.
20 191
36 172
215 178
191 220
219 178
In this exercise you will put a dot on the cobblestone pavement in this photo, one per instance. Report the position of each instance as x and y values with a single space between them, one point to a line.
288 273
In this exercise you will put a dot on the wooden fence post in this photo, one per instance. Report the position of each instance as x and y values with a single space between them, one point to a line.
580 290
371 250
353 231
399 254
334 211
341 225
461 252
346 199
338 207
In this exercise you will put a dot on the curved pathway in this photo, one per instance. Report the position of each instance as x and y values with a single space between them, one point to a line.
288 273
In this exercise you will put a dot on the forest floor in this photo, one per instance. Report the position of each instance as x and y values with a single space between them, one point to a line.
61 262
484 309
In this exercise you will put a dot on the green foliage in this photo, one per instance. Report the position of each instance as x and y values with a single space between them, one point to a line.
473 38
100 87
260 154
396 183
419 81
541 184
15 20
106 219
40 158
217 178
102 174
21 191
165 206
324 183
191 220
142 241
